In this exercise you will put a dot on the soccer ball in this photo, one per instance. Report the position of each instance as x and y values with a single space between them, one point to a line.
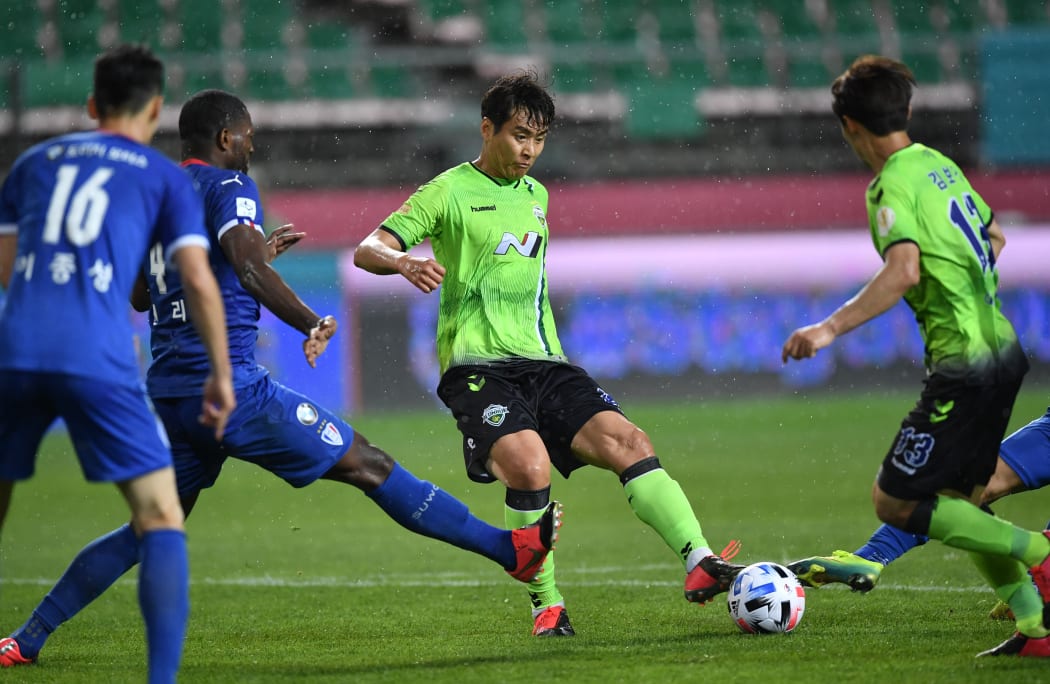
766 598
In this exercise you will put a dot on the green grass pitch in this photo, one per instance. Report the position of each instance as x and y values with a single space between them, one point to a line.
316 585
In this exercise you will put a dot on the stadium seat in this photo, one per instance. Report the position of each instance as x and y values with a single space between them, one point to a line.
202 23
50 84
505 25
141 21
854 19
574 77
661 102
676 20
742 43
619 22
569 22
1027 12
19 24
79 26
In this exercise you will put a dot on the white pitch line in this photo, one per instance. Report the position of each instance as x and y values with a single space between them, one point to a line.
451 581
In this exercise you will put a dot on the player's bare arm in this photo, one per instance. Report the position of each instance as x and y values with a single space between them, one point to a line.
139 299
8 247
996 238
898 274
380 253
208 315
250 253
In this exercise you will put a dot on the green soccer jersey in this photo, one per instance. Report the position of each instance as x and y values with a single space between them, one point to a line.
491 236
921 196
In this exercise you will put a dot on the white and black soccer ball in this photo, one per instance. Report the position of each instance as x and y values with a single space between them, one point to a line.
766 598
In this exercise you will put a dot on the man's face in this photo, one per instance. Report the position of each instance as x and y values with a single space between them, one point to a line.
514 148
241 137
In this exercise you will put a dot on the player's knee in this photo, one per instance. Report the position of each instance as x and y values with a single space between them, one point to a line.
158 515
364 465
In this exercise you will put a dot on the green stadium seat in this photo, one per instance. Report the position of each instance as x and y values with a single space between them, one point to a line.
675 20
796 23
854 18
920 54
505 25
392 80
264 24
569 21
19 24
1027 12
619 22
574 77
331 82
49 84
913 17
202 23
808 72
661 105
140 21
267 83
742 42
79 25
964 16
439 10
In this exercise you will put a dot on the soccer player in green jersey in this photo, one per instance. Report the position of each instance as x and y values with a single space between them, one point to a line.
519 403
939 243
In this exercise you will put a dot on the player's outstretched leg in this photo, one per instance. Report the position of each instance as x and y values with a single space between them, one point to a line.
860 574
533 542
862 568
95 568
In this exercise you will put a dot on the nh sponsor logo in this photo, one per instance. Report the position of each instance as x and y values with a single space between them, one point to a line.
529 246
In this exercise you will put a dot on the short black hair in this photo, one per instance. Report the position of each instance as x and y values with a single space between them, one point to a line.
126 78
876 92
518 91
208 112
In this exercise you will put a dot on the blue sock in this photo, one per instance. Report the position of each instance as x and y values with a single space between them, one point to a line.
165 601
425 509
96 567
888 544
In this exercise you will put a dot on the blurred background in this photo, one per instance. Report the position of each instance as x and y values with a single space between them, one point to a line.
703 203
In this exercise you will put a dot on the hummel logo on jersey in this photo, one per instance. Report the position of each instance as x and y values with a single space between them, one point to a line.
941 410
474 384
494 414
487 207
236 179
528 247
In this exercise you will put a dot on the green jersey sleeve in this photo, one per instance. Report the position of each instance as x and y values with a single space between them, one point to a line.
421 215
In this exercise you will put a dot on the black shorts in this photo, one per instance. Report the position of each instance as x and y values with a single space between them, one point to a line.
950 440
490 401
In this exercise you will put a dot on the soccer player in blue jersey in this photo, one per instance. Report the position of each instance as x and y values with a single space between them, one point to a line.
78 214
273 426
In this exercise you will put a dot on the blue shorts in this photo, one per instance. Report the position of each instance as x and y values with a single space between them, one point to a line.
116 435
1027 452
273 427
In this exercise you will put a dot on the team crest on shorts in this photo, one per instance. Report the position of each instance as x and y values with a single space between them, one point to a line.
306 414
494 414
331 435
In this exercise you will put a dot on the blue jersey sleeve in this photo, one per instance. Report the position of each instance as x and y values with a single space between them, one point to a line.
235 202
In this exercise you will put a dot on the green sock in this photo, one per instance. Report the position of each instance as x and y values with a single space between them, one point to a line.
660 503
1013 585
960 524
542 590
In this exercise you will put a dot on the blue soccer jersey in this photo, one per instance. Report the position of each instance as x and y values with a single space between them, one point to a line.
85 208
180 361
